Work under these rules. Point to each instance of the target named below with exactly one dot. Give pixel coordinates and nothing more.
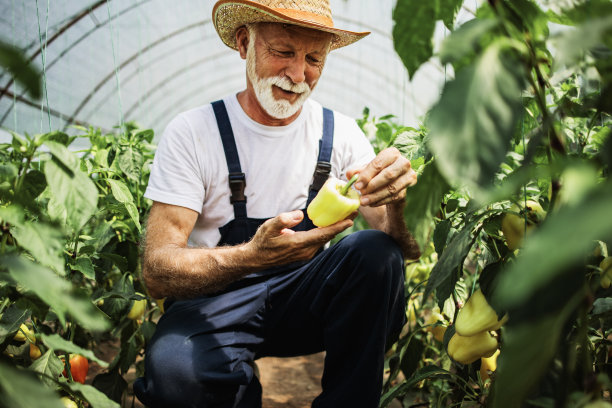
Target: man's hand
(385, 179)
(275, 243)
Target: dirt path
(290, 382)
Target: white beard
(277, 108)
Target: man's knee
(375, 252)
(178, 375)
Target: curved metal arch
(74, 44)
(182, 70)
(130, 60)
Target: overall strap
(326, 143)
(237, 179)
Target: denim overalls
(348, 300)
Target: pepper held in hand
(334, 202)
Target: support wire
(43, 55)
(110, 26)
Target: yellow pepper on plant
(477, 316)
(467, 349)
(606, 272)
(334, 202)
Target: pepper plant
(524, 117)
(69, 256)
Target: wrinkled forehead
(294, 33)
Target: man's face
(284, 64)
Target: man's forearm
(395, 226)
(184, 272)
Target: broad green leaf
(62, 154)
(440, 235)
(473, 123)
(14, 61)
(579, 11)
(567, 237)
(410, 144)
(13, 214)
(447, 11)
(130, 161)
(111, 384)
(71, 188)
(414, 24)
(447, 270)
(123, 195)
(57, 343)
(528, 349)
(43, 241)
(423, 202)
(465, 40)
(95, 398)
(56, 292)
(34, 184)
(22, 389)
(49, 366)
(84, 265)
(11, 319)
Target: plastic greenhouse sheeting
(105, 62)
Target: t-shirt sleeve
(175, 175)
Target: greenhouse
(183, 223)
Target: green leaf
(130, 162)
(446, 271)
(84, 265)
(111, 384)
(123, 195)
(465, 40)
(414, 24)
(49, 366)
(423, 202)
(573, 45)
(441, 235)
(71, 188)
(56, 292)
(57, 343)
(34, 183)
(448, 10)
(22, 389)
(473, 123)
(11, 319)
(96, 398)
(529, 348)
(567, 235)
(43, 241)
(13, 60)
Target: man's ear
(242, 41)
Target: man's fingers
(284, 221)
(394, 191)
(383, 160)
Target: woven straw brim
(229, 16)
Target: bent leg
(201, 353)
(350, 302)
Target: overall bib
(348, 300)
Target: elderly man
(244, 272)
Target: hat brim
(229, 15)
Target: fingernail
(365, 200)
(359, 185)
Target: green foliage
(70, 224)
(526, 117)
(20, 68)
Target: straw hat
(229, 15)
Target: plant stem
(344, 190)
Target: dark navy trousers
(348, 301)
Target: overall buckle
(237, 183)
(321, 175)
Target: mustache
(286, 84)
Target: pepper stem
(344, 190)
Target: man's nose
(296, 70)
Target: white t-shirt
(190, 169)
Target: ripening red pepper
(78, 368)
